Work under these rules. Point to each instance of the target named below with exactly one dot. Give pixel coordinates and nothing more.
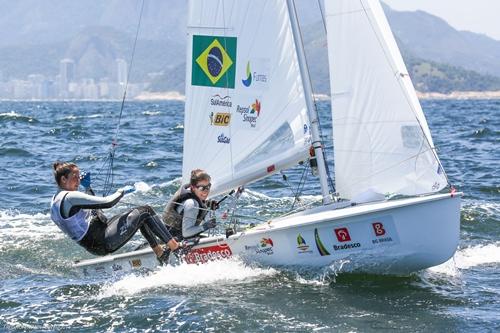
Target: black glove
(212, 204)
(210, 224)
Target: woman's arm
(75, 200)
(189, 228)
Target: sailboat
(250, 113)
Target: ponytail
(62, 169)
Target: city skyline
(66, 85)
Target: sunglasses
(204, 187)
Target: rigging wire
(329, 178)
(108, 179)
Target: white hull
(394, 237)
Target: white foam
(151, 113)
(469, 257)
(209, 274)
(73, 117)
(15, 227)
(488, 207)
(11, 114)
(142, 187)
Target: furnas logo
(255, 76)
(248, 81)
(214, 61)
(220, 118)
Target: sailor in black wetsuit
(80, 217)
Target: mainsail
(382, 142)
(245, 113)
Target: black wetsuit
(104, 235)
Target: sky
(481, 16)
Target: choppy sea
(41, 292)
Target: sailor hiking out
(186, 212)
(79, 216)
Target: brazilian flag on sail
(214, 61)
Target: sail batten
(245, 113)
(382, 142)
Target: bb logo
(222, 119)
(378, 228)
(342, 235)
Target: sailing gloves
(210, 224)
(127, 189)
(85, 179)
(212, 204)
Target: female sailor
(80, 217)
(185, 213)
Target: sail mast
(311, 109)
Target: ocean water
(41, 292)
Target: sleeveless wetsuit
(79, 216)
(185, 213)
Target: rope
(108, 179)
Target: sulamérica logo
(214, 61)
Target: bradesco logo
(344, 236)
(203, 255)
(220, 118)
(213, 61)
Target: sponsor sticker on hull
(358, 235)
(265, 246)
(209, 253)
(302, 245)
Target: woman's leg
(122, 227)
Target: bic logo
(378, 227)
(222, 119)
(342, 235)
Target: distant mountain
(38, 22)
(36, 35)
(428, 37)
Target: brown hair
(62, 169)
(197, 175)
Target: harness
(172, 218)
